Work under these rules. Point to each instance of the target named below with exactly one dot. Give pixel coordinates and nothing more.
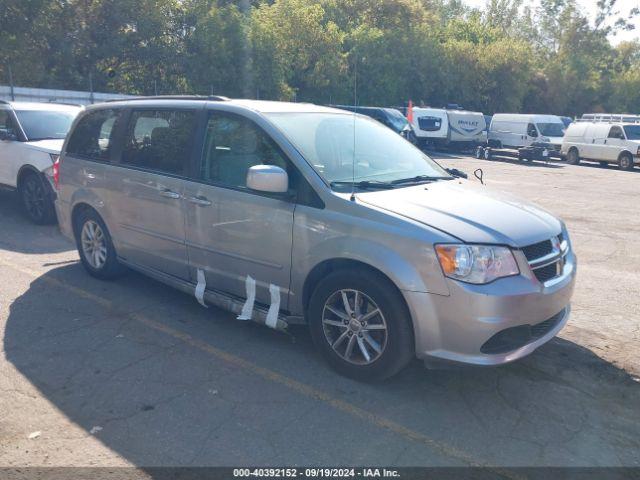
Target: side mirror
(267, 178)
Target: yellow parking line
(265, 373)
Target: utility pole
(13, 97)
(90, 87)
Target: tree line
(507, 56)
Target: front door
(147, 189)
(614, 143)
(10, 149)
(232, 232)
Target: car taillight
(55, 170)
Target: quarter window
(159, 140)
(91, 138)
(232, 145)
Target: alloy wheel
(354, 326)
(34, 197)
(94, 245)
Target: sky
(589, 5)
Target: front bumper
(459, 327)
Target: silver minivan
(289, 213)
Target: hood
(49, 146)
(468, 211)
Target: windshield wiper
(364, 184)
(419, 179)
(45, 138)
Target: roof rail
(209, 98)
(610, 117)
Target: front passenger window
(616, 132)
(232, 145)
(531, 130)
(6, 125)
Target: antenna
(355, 112)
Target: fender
(418, 271)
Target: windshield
(326, 140)
(551, 129)
(632, 131)
(41, 124)
(397, 119)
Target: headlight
(476, 263)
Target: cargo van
(438, 127)
(511, 130)
(603, 142)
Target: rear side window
(92, 136)
(159, 140)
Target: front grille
(515, 337)
(546, 273)
(537, 250)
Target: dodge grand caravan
(293, 213)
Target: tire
(395, 344)
(479, 152)
(487, 154)
(573, 158)
(36, 200)
(105, 266)
(626, 161)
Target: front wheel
(97, 254)
(36, 200)
(361, 325)
(626, 161)
(572, 157)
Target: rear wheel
(572, 157)
(97, 254)
(361, 325)
(487, 154)
(36, 200)
(626, 161)
(479, 152)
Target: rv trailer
(447, 128)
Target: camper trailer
(445, 128)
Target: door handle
(170, 194)
(202, 201)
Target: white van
(440, 127)
(512, 130)
(603, 142)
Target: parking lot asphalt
(135, 373)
